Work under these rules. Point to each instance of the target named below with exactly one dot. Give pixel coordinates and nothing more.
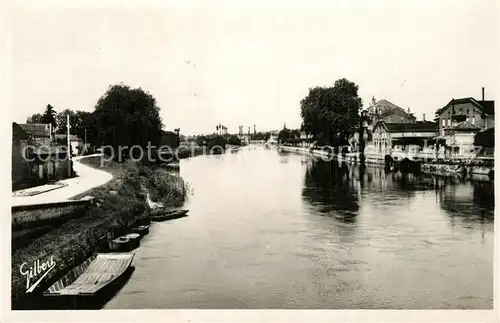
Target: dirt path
(88, 178)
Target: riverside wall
(441, 167)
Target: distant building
(460, 139)
(37, 165)
(382, 110)
(478, 113)
(388, 112)
(21, 168)
(39, 133)
(304, 136)
(273, 136)
(387, 136)
(75, 142)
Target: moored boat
(92, 276)
(164, 215)
(141, 229)
(125, 243)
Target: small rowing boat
(164, 215)
(141, 229)
(92, 276)
(125, 243)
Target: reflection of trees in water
(328, 185)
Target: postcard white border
(6, 101)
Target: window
(443, 121)
(473, 121)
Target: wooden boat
(164, 215)
(134, 239)
(92, 276)
(125, 243)
(173, 166)
(141, 229)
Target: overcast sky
(253, 65)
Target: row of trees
(288, 135)
(122, 117)
(217, 140)
(331, 114)
(80, 121)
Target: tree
(127, 117)
(331, 114)
(61, 121)
(233, 140)
(216, 144)
(284, 135)
(201, 140)
(49, 116)
(485, 138)
(35, 118)
(295, 134)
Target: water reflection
(277, 230)
(337, 190)
(473, 203)
(329, 187)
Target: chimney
(482, 90)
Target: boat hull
(142, 230)
(91, 278)
(125, 243)
(169, 216)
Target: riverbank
(474, 168)
(120, 204)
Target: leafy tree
(86, 127)
(127, 117)
(216, 144)
(295, 134)
(331, 114)
(49, 116)
(284, 135)
(485, 138)
(201, 141)
(61, 121)
(36, 118)
(260, 136)
(81, 124)
(233, 140)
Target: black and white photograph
(276, 156)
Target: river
(269, 229)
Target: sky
(252, 65)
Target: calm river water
(268, 229)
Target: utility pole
(69, 146)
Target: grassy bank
(121, 203)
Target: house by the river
(34, 163)
(390, 137)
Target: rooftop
(36, 129)
(63, 136)
(486, 106)
(421, 126)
